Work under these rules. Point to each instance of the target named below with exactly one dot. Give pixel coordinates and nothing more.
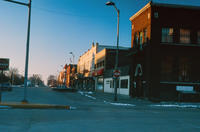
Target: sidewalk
(18, 105)
(129, 101)
(109, 97)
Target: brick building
(166, 39)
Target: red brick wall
(140, 23)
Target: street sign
(116, 73)
(4, 64)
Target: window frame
(167, 35)
(121, 83)
(185, 37)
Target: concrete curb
(35, 106)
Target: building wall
(86, 61)
(108, 86)
(100, 59)
(141, 21)
(152, 56)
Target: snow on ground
(86, 94)
(90, 96)
(177, 105)
(72, 108)
(119, 104)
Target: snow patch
(81, 92)
(72, 108)
(177, 105)
(90, 92)
(119, 104)
(86, 94)
(90, 96)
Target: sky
(59, 27)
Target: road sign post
(4, 65)
(116, 73)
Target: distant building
(166, 39)
(86, 66)
(86, 62)
(70, 75)
(66, 77)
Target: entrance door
(138, 80)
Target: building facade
(87, 68)
(166, 39)
(104, 67)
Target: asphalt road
(92, 114)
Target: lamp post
(73, 69)
(110, 3)
(27, 45)
(72, 56)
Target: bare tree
(36, 79)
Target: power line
(64, 13)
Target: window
(141, 37)
(184, 69)
(184, 36)
(156, 14)
(112, 83)
(198, 37)
(136, 39)
(124, 83)
(166, 69)
(167, 35)
(145, 35)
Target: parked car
(5, 86)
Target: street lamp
(110, 3)
(72, 56)
(27, 45)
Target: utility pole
(110, 3)
(1, 84)
(27, 45)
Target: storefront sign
(185, 88)
(4, 64)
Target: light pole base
(24, 101)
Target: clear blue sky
(62, 26)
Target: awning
(98, 72)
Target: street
(94, 112)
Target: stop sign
(116, 73)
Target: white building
(123, 85)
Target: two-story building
(167, 40)
(88, 67)
(104, 66)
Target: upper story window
(145, 35)
(141, 38)
(167, 35)
(136, 39)
(184, 36)
(198, 37)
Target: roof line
(141, 10)
(164, 5)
